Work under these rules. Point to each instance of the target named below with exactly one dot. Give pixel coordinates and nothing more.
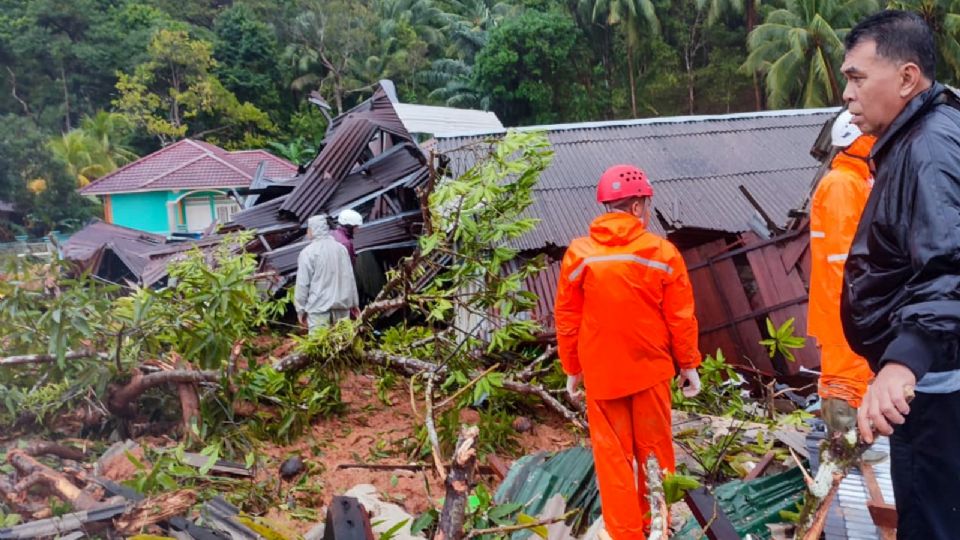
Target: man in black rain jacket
(901, 297)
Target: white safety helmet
(350, 217)
(844, 133)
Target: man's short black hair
(901, 36)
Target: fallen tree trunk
(122, 400)
(154, 510)
(459, 481)
(45, 358)
(38, 473)
(190, 408)
(47, 448)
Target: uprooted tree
(97, 358)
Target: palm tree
(469, 21)
(799, 49)
(944, 20)
(633, 17)
(110, 129)
(82, 155)
(746, 8)
(451, 81)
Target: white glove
(573, 387)
(688, 376)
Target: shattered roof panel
(387, 231)
(380, 172)
(261, 216)
(188, 164)
(84, 244)
(696, 166)
(326, 172)
(446, 121)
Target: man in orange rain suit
(835, 212)
(625, 319)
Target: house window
(226, 208)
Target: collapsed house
(727, 193)
(369, 161)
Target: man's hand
(354, 313)
(886, 401)
(302, 317)
(573, 387)
(689, 376)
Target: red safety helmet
(622, 181)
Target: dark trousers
(925, 462)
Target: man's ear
(911, 77)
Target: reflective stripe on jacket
(834, 214)
(624, 309)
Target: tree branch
(458, 483)
(121, 400)
(519, 527)
(432, 429)
(42, 358)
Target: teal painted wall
(144, 211)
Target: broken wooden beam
(884, 515)
(499, 466)
(38, 473)
(47, 448)
(761, 466)
(713, 521)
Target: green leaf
(390, 533)
(423, 522)
(504, 510)
(539, 530)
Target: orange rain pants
(623, 431)
(834, 215)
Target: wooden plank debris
(714, 522)
(347, 520)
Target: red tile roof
(190, 164)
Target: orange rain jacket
(624, 309)
(835, 212)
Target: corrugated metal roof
(696, 165)
(189, 164)
(849, 518)
(387, 231)
(535, 479)
(85, 243)
(446, 121)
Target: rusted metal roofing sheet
(379, 110)
(85, 243)
(326, 172)
(696, 165)
(284, 260)
(261, 216)
(387, 231)
(379, 173)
